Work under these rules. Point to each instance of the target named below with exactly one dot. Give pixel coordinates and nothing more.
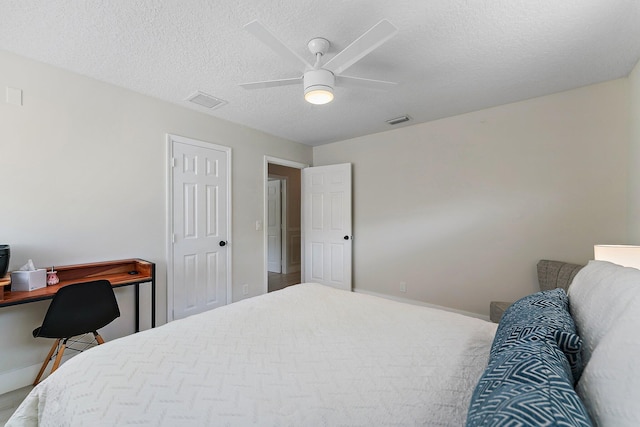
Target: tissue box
(28, 280)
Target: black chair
(76, 310)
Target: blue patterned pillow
(527, 385)
(541, 316)
(569, 343)
(545, 308)
(571, 346)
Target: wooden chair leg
(56, 363)
(98, 338)
(46, 361)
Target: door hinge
(173, 162)
(173, 237)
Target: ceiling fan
(320, 79)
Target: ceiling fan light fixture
(318, 95)
(318, 86)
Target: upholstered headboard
(551, 275)
(556, 274)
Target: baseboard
(18, 378)
(422, 303)
(22, 377)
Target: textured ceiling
(450, 56)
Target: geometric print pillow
(544, 308)
(570, 344)
(527, 385)
(541, 316)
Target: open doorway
(283, 245)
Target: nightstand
(497, 309)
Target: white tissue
(28, 266)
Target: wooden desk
(118, 273)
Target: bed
(308, 355)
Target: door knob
(346, 237)
(223, 243)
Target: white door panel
(274, 226)
(200, 183)
(327, 225)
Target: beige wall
(462, 208)
(634, 158)
(83, 178)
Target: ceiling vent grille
(206, 100)
(398, 120)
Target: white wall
(462, 208)
(634, 157)
(83, 177)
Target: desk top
(116, 272)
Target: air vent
(399, 120)
(206, 100)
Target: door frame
(282, 162)
(170, 162)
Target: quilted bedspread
(308, 355)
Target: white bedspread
(308, 355)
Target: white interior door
(274, 226)
(201, 223)
(327, 225)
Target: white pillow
(610, 383)
(598, 295)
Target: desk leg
(153, 296)
(137, 307)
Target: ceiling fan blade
(271, 83)
(376, 36)
(268, 38)
(348, 81)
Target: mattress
(308, 355)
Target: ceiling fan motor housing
(319, 80)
